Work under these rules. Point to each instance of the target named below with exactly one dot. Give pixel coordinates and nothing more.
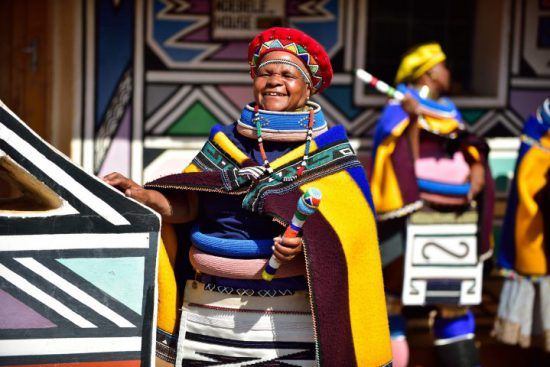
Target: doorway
(25, 61)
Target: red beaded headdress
(309, 51)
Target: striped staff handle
(379, 85)
(307, 205)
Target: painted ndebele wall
(159, 73)
(77, 261)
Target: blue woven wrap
(232, 248)
(443, 188)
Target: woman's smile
(280, 86)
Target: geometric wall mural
(77, 261)
(174, 68)
(159, 73)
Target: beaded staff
(379, 85)
(307, 205)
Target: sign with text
(243, 19)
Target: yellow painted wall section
(344, 206)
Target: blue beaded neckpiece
(282, 123)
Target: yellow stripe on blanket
(357, 233)
(474, 153)
(529, 231)
(442, 125)
(293, 155)
(192, 168)
(228, 147)
(385, 190)
(169, 297)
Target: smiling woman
(240, 192)
(281, 84)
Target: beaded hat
(309, 51)
(418, 61)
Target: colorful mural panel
(182, 68)
(178, 67)
(77, 261)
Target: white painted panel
(29, 347)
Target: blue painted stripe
(114, 40)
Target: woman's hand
(151, 198)
(477, 180)
(180, 207)
(285, 249)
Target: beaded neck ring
(267, 165)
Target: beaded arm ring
(267, 165)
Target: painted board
(77, 261)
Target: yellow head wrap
(418, 61)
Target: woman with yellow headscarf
(424, 157)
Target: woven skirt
(524, 313)
(228, 329)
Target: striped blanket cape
(524, 254)
(525, 244)
(341, 245)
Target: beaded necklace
(267, 165)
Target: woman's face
(441, 77)
(280, 87)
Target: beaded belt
(260, 288)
